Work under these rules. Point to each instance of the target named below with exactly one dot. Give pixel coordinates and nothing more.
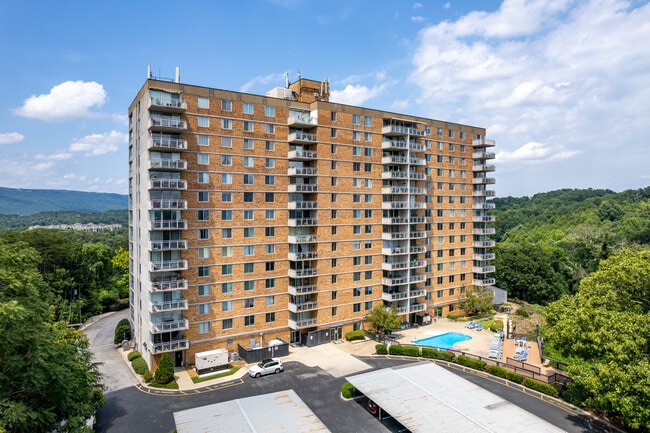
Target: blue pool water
(443, 341)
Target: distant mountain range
(31, 201)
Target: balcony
(417, 249)
(301, 171)
(301, 222)
(395, 190)
(394, 251)
(301, 137)
(179, 244)
(167, 124)
(303, 306)
(417, 278)
(395, 205)
(174, 325)
(484, 282)
(417, 220)
(483, 167)
(167, 143)
(416, 147)
(484, 181)
(300, 273)
(302, 187)
(308, 255)
(302, 121)
(303, 289)
(168, 265)
(417, 293)
(483, 269)
(301, 239)
(483, 244)
(167, 164)
(168, 204)
(417, 161)
(418, 264)
(417, 176)
(300, 324)
(401, 130)
(483, 219)
(394, 235)
(417, 234)
(175, 184)
(160, 307)
(170, 346)
(167, 105)
(486, 256)
(414, 308)
(169, 285)
(168, 225)
(482, 142)
(485, 231)
(302, 204)
(483, 155)
(302, 155)
(393, 281)
(395, 296)
(484, 193)
(483, 206)
(394, 159)
(397, 174)
(395, 266)
(394, 221)
(393, 145)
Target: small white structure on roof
(281, 412)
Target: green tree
(382, 318)
(120, 279)
(122, 331)
(47, 376)
(604, 330)
(478, 301)
(165, 371)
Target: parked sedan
(266, 366)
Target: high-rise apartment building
(288, 216)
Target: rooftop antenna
(299, 76)
(148, 72)
(178, 74)
(286, 78)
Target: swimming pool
(443, 341)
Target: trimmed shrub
(132, 355)
(514, 377)
(347, 390)
(122, 331)
(470, 362)
(496, 325)
(396, 349)
(497, 371)
(381, 349)
(431, 353)
(544, 388)
(147, 377)
(165, 371)
(355, 335)
(411, 351)
(140, 365)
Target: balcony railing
(298, 273)
(169, 285)
(484, 282)
(393, 281)
(175, 325)
(417, 249)
(402, 130)
(393, 144)
(168, 123)
(168, 204)
(483, 269)
(302, 187)
(302, 289)
(301, 239)
(179, 244)
(302, 171)
(395, 220)
(395, 296)
(483, 219)
(304, 306)
(417, 176)
(483, 155)
(395, 266)
(394, 251)
(485, 231)
(300, 324)
(417, 293)
(167, 164)
(168, 225)
(397, 174)
(417, 234)
(486, 256)
(484, 193)
(301, 137)
(168, 265)
(483, 206)
(159, 307)
(416, 147)
(483, 167)
(394, 235)
(483, 244)
(302, 256)
(302, 120)
(483, 142)
(394, 159)
(177, 184)
(170, 346)
(395, 205)
(167, 143)
(176, 105)
(303, 204)
(300, 222)
(302, 154)
(483, 180)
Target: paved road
(116, 373)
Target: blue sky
(562, 86)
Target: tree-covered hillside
(20, 222)
(30, 201)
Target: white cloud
(417, 19)
(275, 79)
(59, 156)
(533, 152)
(99, 144)
(417, 5)
(68, 100)
(356, 94)
(400, 105)
(11, 137)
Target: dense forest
(583, 256)
(30, 201)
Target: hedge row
(544, 388)
(355, 335)
(132, 355)
(470, 362)
(428, 352)
(381, 349)
(140, 365)
(396, 349)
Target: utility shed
(280, 411)
(425, 397)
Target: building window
(249, 285)
(356, 307)
(334, 246)
(269, 179)
(269, 214)
(356, 291)
(226, 105)
(249, 250)
(356, 276)
(249, 214)
(203, 177)
(269, 111)
(367, 167)
(204, 327)
(333, 197)
(203, 140)
(203, 102)
(226, 178)
(367, 136)
(356, 119)
(334, 262)
(249, 232)
(226, 215)
(269, 197)
(333, 149)
(333, 116)
(356, 150)
(333, 132)
(204, 196)
(249, 144)
(226, 124)
(270, 283)
(335, 310)
(248, 197)
(269, 162)
(367, 151)
(269, 145)
(226, 160)
(226, 287)
(368, 275)
(249, 302)
(226, 306)
(368, 291)
(334, 214)
(248, 108)
(249, 320)
(226, 324)
(204, 290)
(204, 271)
(356, 166)
(226, 269)
(248, 162)
(368, 305)
(204, 121)
(356, 245)
(368, 260)
(204, 308)
(269, 128)
(356, 135)
(226, 233)
(356, 261)
(367, 121)
(368, 198)
(202, 159)
(269, 231)
(270, 317)
(226, 251)
(204, 234)
(333, 228)
(248, 126)
(270, 266)
(249, 268)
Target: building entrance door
(336, 333)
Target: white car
(266, 366)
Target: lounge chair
(494, 354)
(495, 344)
(479, 327)
(520, 350)
(521, 342)
(471, 325)
(521, 356)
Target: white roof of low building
(280, 411)
(425, 397)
